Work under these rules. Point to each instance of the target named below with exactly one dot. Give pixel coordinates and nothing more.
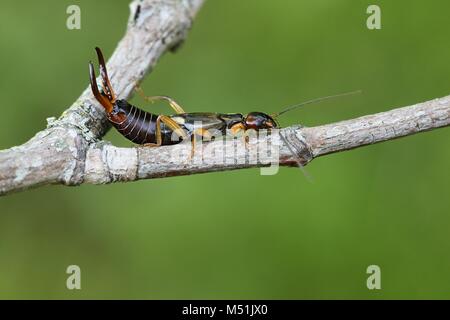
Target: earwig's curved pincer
(107, 98)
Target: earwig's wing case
(206, 120)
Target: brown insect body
(145, 128)
(139, 126)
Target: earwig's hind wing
(100, 98)
(106, 84)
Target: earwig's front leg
(239, 128)
(175, 106)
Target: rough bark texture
(70, 152)
(400, 122)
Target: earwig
(148, 129)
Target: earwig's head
(107, 97)
(259, 120)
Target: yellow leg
(204, 133)
(193, 142)
(157, 134)
(175, 106)
(171, 124)
(240, 129)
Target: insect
(148, 129)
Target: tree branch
(69, 151)
(286, 147)
(58, 153)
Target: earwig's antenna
(277, 114)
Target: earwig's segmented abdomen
(137, 125)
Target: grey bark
(69, 151)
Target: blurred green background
(238, 234)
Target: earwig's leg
(106, 84)
(246, 140)
(151, 145)
(239, 128)
(175, 106)
(157, 135)
(204, 133)
(171, 124)
(193, 143)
